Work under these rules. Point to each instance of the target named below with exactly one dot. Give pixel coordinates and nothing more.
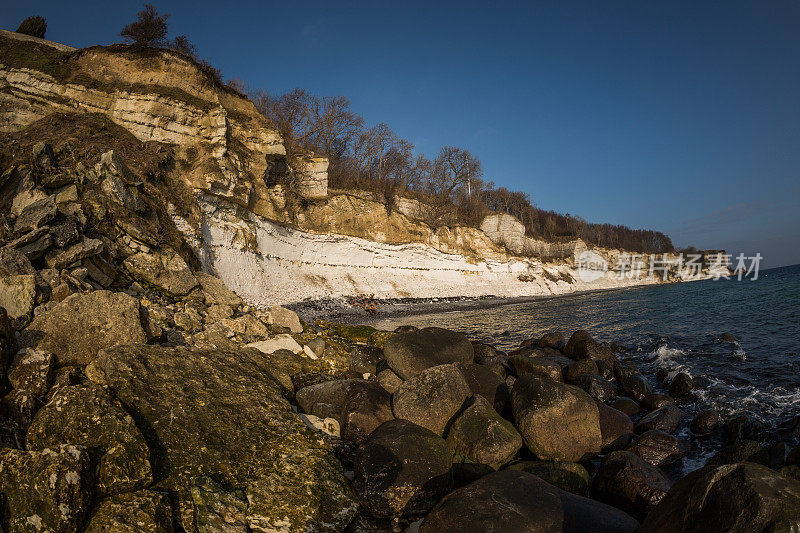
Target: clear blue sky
(678, 116)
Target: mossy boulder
(432, 398)
(132, 512)
(411, 352)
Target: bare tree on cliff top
(149, 29)
(457, 167)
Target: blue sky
(678, 116)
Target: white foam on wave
(668, 359)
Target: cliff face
(266, 243)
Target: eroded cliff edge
(270, 242)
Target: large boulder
(551, 366)
(90, 417)
(598, 388)
(571, 477)
(402, 469)
(358, 405)
(615, 426)
(221, 414)
(216, 292)
(627, 482)
(737, 497)
(484, 382)
(513, 500)
(165, 271)
(47, 490)
(739, 452)
(432, 398)
(481, 436)
(705, 422)
(81, 325)
(132, 512)
(558, 421)
(411, 352)
(666, 419)
(581, 346)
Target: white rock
(279, 342)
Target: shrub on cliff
(33, 26)
(149, 29)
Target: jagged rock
(18, 295)
(665, 419)
(517, 501)
(14, 263)
(35, 215)
(43, 154)
(627, 482)
(615, 426)
(481, 436)
(659, 448)
(222, 414)
(705, 422)
(216, 292)
(166, 271)
(432, 398)
(115, 174)
(217, 509)
(88, 416)
(278, 342)
(598, 388)
(739, 452)
(410, 353)
(65, 232)
(19, 406)
(284, 318)
(86, 248)
(626, 405)
(46, 490)
(402, 469)
(551, 366)
(505, 230)
(82, 324)
(359, 406)
(145, 511)
(33, 373)
(571, 477)
(558, 422)
(738, 497)
(482, 381)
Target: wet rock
(616, 428)
(481, 436)
(389, 380)
(553, 339)
(728, 337)
(33, 373)
(656, 400)
(517, 501)
(216, 292)
(89, 417)
(48, 490)
(432, 398)
(705, 422)
(681, 385)
(635, 385)
(544, 365)
(402, 469)
(165, 271)
(659, 448)
(739, 452)
(18, 296)
(597, 387)
(627, 482)
(626, 405)
(82, 324)
(582, 366)
(365, 359)
(221, 413)
(571, 477)
(738, 497)
(410, 353)
(606, 370)
(665, 419)
(482, 381)
(358, 405)
(132, 512)
(35, 216)
(557, 421)
(742, 427)
(581, 346)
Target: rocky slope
(138, 392)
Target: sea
(677, 328)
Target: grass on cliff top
(64, 68)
